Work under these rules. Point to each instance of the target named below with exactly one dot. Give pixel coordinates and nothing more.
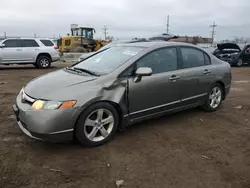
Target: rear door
(12, 50)
(158, 92)
(30, 50)
(197, 75)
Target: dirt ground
(188, 149)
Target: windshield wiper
(81, 70)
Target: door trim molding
(167, 104)
(196, 96)
(155, 107)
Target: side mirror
(2, 45)
(142, 71)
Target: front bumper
(55, 126)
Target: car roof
(155, 44)
(28, 38)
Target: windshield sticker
(131, 53)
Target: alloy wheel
(98, 125)
(215, 97)
(44, 62)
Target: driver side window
(12, 43)
(161, 60)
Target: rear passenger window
(29, 43)
(159, 61)
(47, 42)
(192, 57)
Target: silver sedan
(119, 86)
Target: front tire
(97, 125)
(43, 62)
(214, 98)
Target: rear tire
(43, 62)
(97, 125)
(214, 98)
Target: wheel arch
(44, 54)
(223, 88)
(114, 104)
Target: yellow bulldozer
(81, 40)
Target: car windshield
(109, 59)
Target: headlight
(52, 105)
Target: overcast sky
(125, 18)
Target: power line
(213, 32)
(105, 29)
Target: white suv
(39, 52)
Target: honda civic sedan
(119, 86)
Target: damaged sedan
(121, 85)
(231, 53)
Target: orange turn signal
(67, 104)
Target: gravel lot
(188, 149)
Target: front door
(159, 92)
(12, 51)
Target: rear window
(47, 42)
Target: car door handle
(19, 50)
(174, 78)
(207, 71)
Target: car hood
(228, 46)
(84, 56)
(44, 86)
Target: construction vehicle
(81, 40)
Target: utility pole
(5, 35)
(213, 32)
(105, 29)
(168, 24)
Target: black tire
(43, 62)
(80, 127)
(207, 106)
